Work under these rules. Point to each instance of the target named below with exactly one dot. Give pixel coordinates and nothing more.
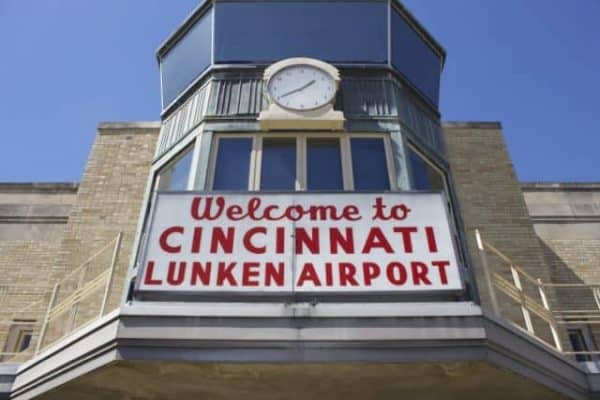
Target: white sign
(299, 242)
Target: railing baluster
(46, 318)
(524, 310)
(113, 263)
(552, 324)
(486, 273)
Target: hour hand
(298, 89)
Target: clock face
(301, 87)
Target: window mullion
(387, 145)
(301, 183)
(191, 184)
(255, 163)
(346, 163)
(212, 162)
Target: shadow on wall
(575, 305)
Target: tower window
(304, 161)
(324, 164)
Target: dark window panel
(187, 59)
(175, 175)
(324, 164)
(425, 177)
(369, 167)
(415, 59)
(278, 170)
(232, 167)
(331, 31)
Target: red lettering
(376, 239)
(406, 231)
(235, 212)
(294, 213)
(337, 239)
(400, 212)
(249, 271)
(248, 240)
(328, 274)
(201, 273)
(347, 273)
(205, 214)
(396, 273)
(273, 274)
(279, 240)
(225, 274)
(148, 279)
(196, 239)
(175, 275)
(419, 273)
(308, 273)
(311, 242)
(370, 272)
(351, 213)
(379, 207)
(431, 242)
(210, 209)
(441, 266)
(219, 238)
(162, 240)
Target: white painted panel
(299, 242)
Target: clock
(300, 92)
(302, 87)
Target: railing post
(552, 324)
(486, 273)
(113, 263)
(46, 319)
(75, 307)
(524, 310)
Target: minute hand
(297, 90)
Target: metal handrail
(49, 311)
(541, 308)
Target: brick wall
(109, 200)
(32, 220)
(490, 200)
(567, 221)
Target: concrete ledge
(7, 376)
(472, 125)
(128, 127)
(560, 186)
(154, 337)
(39, 187)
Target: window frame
(301, 185)
(189, 149)
(414, 148)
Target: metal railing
(541, 300)
(75, 301)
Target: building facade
(299, 223)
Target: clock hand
(299, 89)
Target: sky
(66, 65)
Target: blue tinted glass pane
(330, 31)
(233, 164)
(415, 59)
(369, 166)
(425, 177)
(324, 164)
(187, 59)
(175, 176)
(278, 171)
